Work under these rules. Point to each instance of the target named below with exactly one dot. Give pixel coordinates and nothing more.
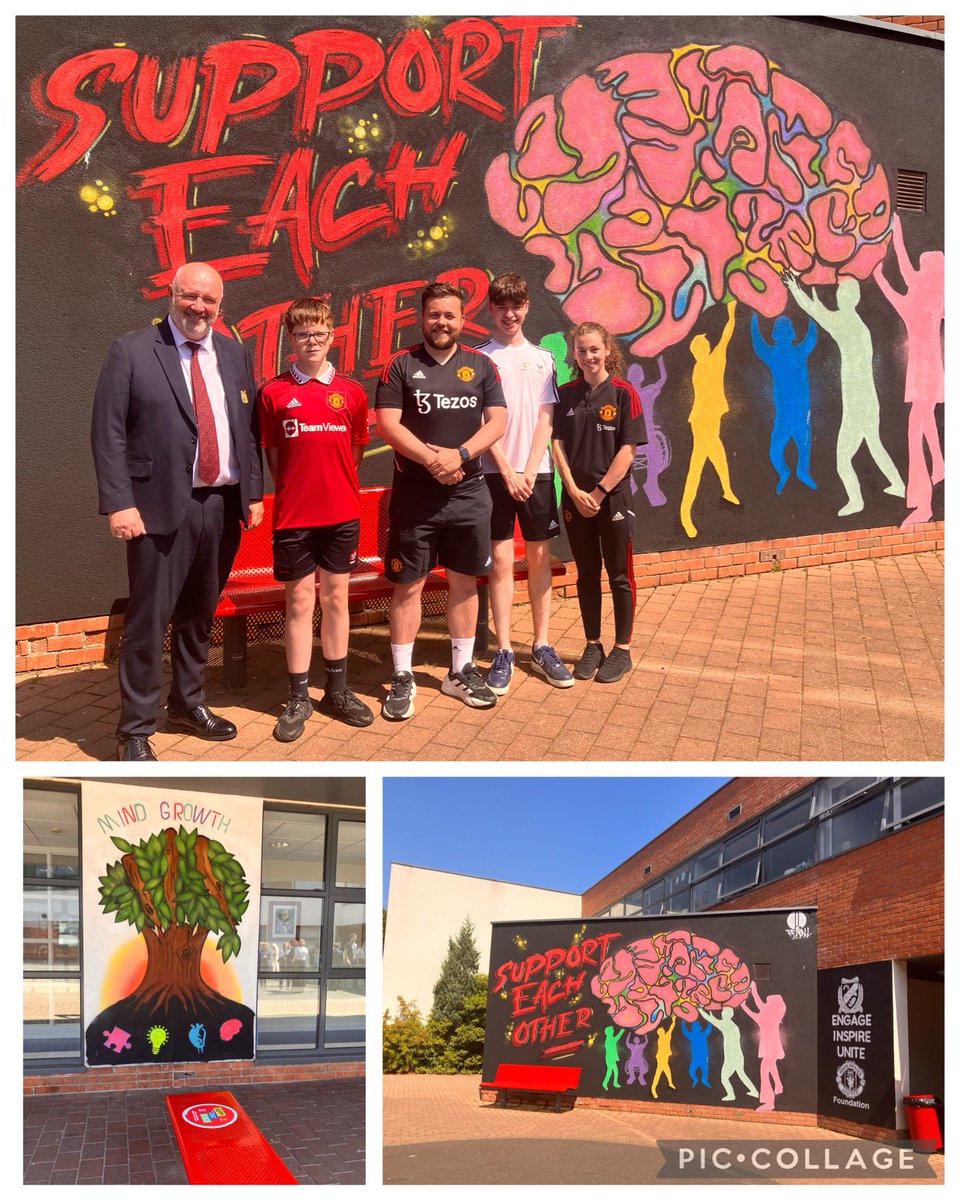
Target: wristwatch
(464, 455)
(601, 488)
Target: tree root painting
(175, 889)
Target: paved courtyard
(841, 662)
(436, 1130)
(316, 1127)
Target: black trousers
(175, 579)
(604, 541)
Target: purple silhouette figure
(636, 1063)
(768, 1016)
(655, 455)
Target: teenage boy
(519, 474)
(439, 405)
(313, 427)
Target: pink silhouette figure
(767, 1016)
(920, 308)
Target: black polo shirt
(594, 424)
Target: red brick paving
(841, 662)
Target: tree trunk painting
(176, 888)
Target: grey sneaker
(615, 666)
(546, 662)
(345, 706)
(399, 703)
(501, 671)
(591, 660)
(468, 685)
(293, 718)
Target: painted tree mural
(176, 888)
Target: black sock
(336, 675)
(299, 684)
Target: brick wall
(147, 1076)
(58, 644)
(934, 24)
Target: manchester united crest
(395, 565)
(607, 413)
(336, 400)
(465, 374)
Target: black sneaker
(616, 665)
(591, 660)
(399, 703)
(469, 686)
(293, 718)
(346, 707)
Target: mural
(161, 986)
(718, 196)
(658, 1008)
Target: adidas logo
(419, 375)
(294, 403)
(553, 525)
(619, 517)
(570, 413)
(488, 562)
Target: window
(831, 792)
(913, 798)
(706, 861)
(653, 898)
(741, 875)
(789, 855)
(678, 879)
(680, 903)
(787, 817)
(852, 827)
(705, 894)
(741, 842)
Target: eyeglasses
(192, 297)
(303, 338)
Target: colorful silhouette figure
(706, 412)
(860, 419)
(611, 1056)
(636, 1062)
(655, 455)
(786, 359)
(732, 1052)
(663, 1057)
(920, 308)
(768, 1017)
(697, 1035)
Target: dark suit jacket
(144, 432)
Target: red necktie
(209, 454)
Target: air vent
(646, 871)
(761, 970)
(912, 191)
(734, 812)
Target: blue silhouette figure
(696, 1035)
(198, 1036)
(787, 361)
(636, 1063)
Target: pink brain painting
(661, 183)
(670, 974)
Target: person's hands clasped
(446, 465)
(585, 503)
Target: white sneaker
(468, 685)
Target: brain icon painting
(670, 974)
(661, 183)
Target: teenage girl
(597, 427)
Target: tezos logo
(850, 995)
(607, 413)
(291, 427)
(465, 374)
(851, 1079)
(209, 1116)
(797, 926)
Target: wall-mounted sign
(716, 1009)
(169, 937)
(856, 1043)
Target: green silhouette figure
(860, 405)
(663, 1057)
(611, 1055)
(732, 1052)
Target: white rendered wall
(426, 908)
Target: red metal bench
(252, 588)
(534, 1077)
(219, 1143)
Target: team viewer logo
(465, 374)
(291, 427)
(209, 1116)
(336, 400)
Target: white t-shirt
(529, 379)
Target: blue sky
(563, 833)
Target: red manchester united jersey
(313, 424)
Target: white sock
(402, 657)
(461, 652)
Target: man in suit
(178, 470)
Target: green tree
(456, 979)
(457, 1045)
(406, 1041)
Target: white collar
(325, 376)
(181, 338)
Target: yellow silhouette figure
(709, 405)
(663, 1057)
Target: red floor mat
(219, 1143)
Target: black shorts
(537, 516)
(430, 526)
(298, 552)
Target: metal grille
(912, 190)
